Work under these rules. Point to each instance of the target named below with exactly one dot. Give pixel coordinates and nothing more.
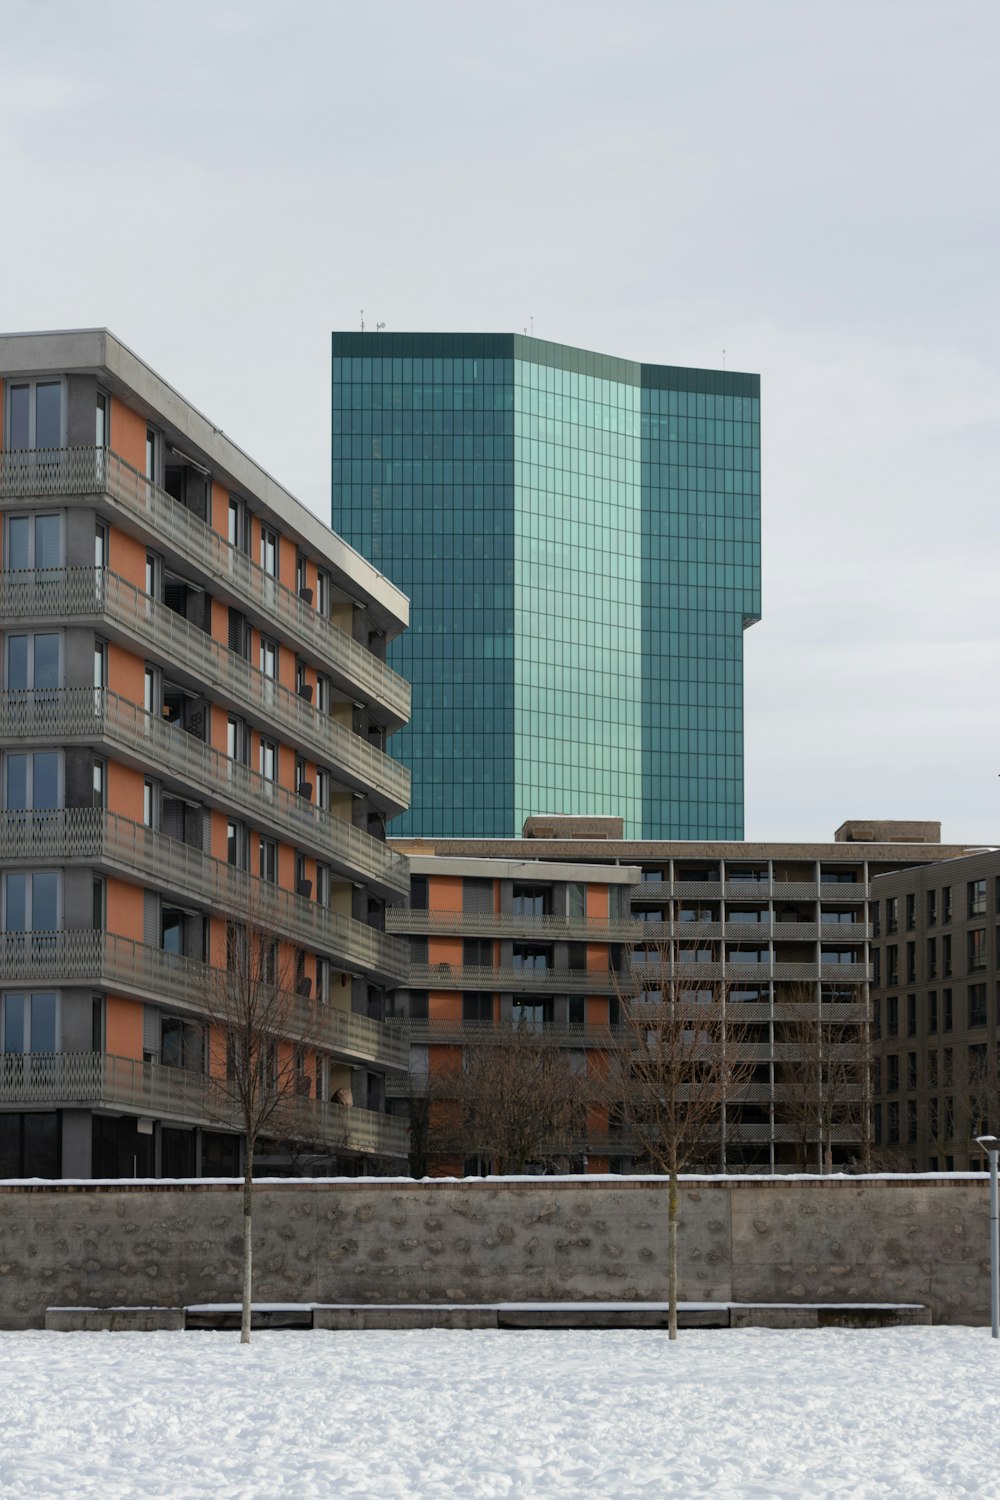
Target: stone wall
(741, 1239)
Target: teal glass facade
(580, 539)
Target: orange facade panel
(220, 509)
(126, 674)
(125, 784)
(128, 434)
(123, 1027)
(597, 1010)
(598, 904)
(444, 950)
(442, 1006)
(597, 958)
(124, 905)
(127, 557)
(444, 893)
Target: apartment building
(194, 717)
(936, 973)
(547, 931)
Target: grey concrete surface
(833, 1240)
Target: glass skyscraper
(580, 539)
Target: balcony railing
(108, 961)
(97, 837)
(99, 1080)
(504, 925)
(60, 593)
(511, 980)
(829, 892)
(94, 715)
(41, 473)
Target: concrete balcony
(149, 512)
(510, 980)
(96, 1080)
(88, 715)
(505, 925)
(105, 840)
(120, 609)
(104, 960)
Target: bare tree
(262, 1034)
(676, 1074)
(515, 1099)
(823, 1088)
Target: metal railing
(503, 924)
(107, 960)
(105, 838)
(55, 593)
(93, 714)
(44, 473)
(835, 892)
(97, 1079)
(476, 977)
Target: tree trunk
(672, 1255)
(247, 1246)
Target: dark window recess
(477, 1007)
(418, 892)
(477, 895)
(477, 953)
(577, 1010)
(239, 634)
(29, 1145)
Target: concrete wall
(747, 1240)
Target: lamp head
(988, 1142)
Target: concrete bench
(113, 1319)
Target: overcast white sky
(811, 186)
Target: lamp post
(991, 1146)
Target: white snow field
(907, 1412)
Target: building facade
(580, 539)
(546, 931)
(936, 959)
(193, 722)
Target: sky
(810, 187)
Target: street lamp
(991, 1146)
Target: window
(932, 1070)
(152, 692)
(892, 1075)
(151, 804)
(33, 662)
(323, 781)
(239, 525)
(977, 1005)
(238, 741)
(946, 903)
(911, 1015)
(102, 423)
(100, 782)
(154, 575)
(911, 1070)
(34, 542)
(269, 861)
(531, 901)
(100, 545)
(29, 1022)
(323, 980)
(976, 949)
(892, 1119)
(976, 891)
(99, 904)
(323, 592)
(269, 551)
(239, 634)
(269, 658)
(32, 901)
(892, 1016)
(932, 958)
(418, 892)
(839, 956)
(931, 908)
(876, 1020)
(35, 411)
(946, 955)
(33, 780)
(182, 1044)
(97, 1037)
(237, 844)
(833, 917)
(911, 963)
(932, 1011)
(876, 911)
(172, 929)
(946, 1010)
(911, 912)
(322, 698)
(324, 883)
(268, 759)
(530, 957)
(301, 574)
(643, 913)
(892, 964)
(152, 444)
(531, 1014)
(892, 914)
(911, 1120)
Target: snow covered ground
(910, 1412)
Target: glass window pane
(17, 541)
(48, 416)
(42, 1033)
(41, 1145)
(46, 661)
(17, 662)
(48, 541)
(19, 398)
(16, 902)
(13, 1023)
(17, 783)
(45, 901)
(45, 792)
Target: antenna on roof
(379, 327)
(723, 359)
(532, 322)
(362, 320)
